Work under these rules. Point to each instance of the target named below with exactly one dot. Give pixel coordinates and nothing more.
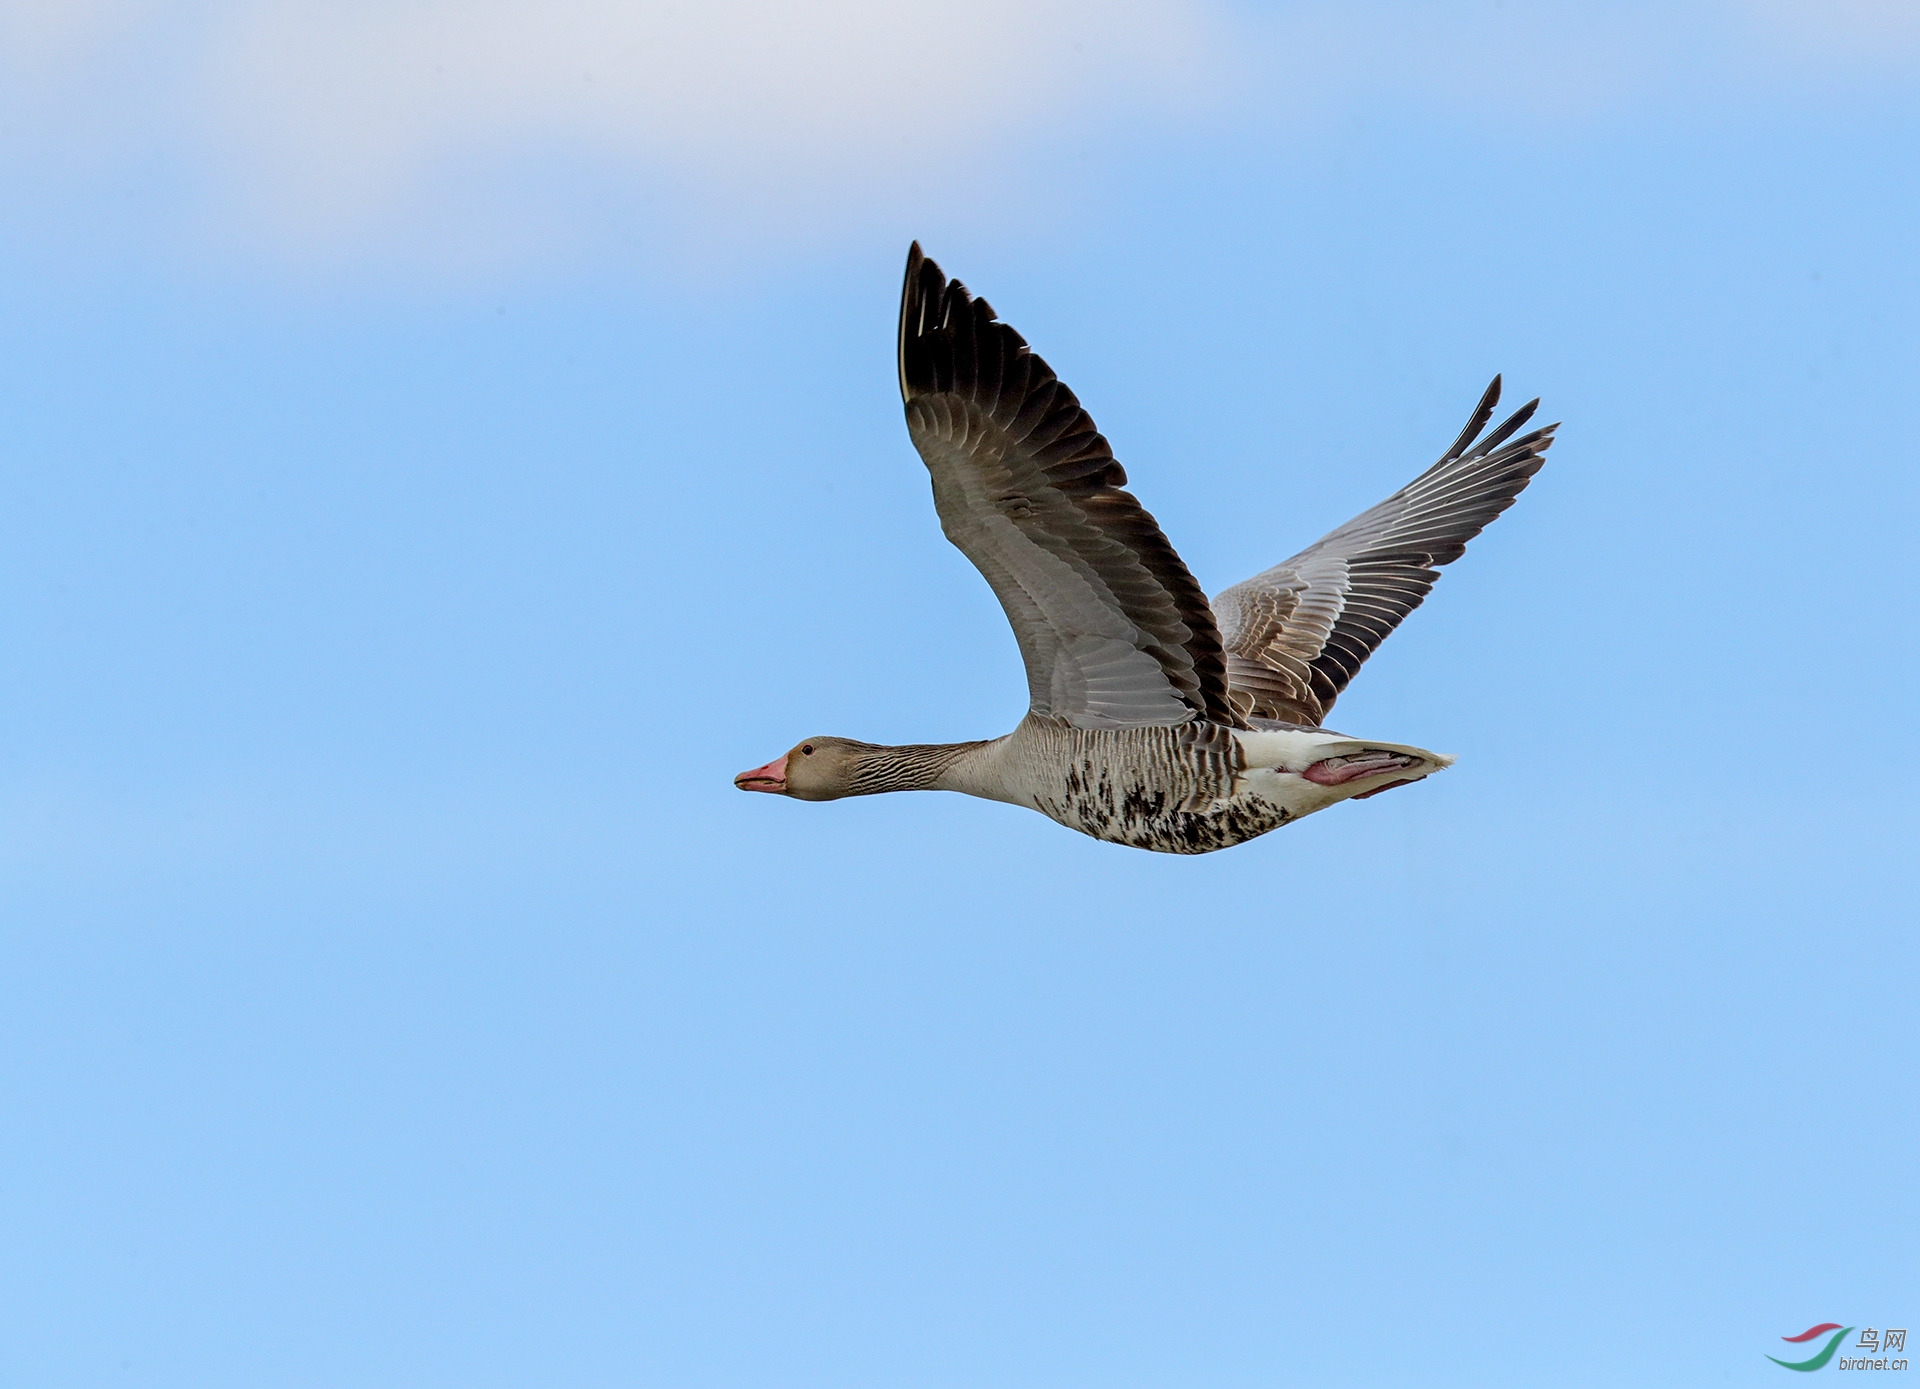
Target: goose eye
(806, 749)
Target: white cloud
(332, 114)
(434, 128)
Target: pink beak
(772, 777)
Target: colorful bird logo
(1839, 1334)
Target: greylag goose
(1155, 719)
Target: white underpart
(1276, 757)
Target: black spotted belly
(1131, 813)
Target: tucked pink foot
(1404, 781)
(1338, 771)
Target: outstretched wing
(1298, 633)
(1114, 631)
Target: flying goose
(1155, 719)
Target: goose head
(819, 769)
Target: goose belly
(1171, 790)
(1144, 826)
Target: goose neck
(909, 767)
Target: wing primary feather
(1476, 422)
(1507, 430)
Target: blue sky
(443, 443)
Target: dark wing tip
(923, 284)
(936, 315)
(953, 341)
(1477, 422)
(1508, 428)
